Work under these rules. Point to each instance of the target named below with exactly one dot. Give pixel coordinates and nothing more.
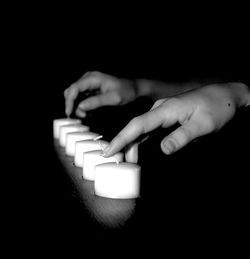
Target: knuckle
(137, 121)
(86, 74)
(95, 73)
(138, 124)
(90, 74)
(173, 101)
(72, 87)
(65, 92)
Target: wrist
(143, 88)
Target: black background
(197, 196)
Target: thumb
(180, 137)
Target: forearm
(158, 89)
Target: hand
(113, 91)
(199, 112)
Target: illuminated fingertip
(102, 153)
(106, 152)
(67, 110)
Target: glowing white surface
(64, 130)
(117, 181)
(73, 137)
(57, 123)
(93, 158)
(85, 146)
(109, 212)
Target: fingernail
(102, 154)
(105, 152)
(169, 147)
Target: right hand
(198, 112)
(113, 91)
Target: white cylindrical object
(85, 146)
(93, 158)
(73, 137)
(57, 123)
(117, 181)
(64, 130)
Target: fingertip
(168, 146)
(80, 113)
(68, 107)
(106, 152)
(67, 112)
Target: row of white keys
(112, 177)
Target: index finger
(90, 82)
(138, 126)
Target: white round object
(93, 158)
(85, 146)
(64, 130)
(57, 123)
(73, 137)
(117, 181)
